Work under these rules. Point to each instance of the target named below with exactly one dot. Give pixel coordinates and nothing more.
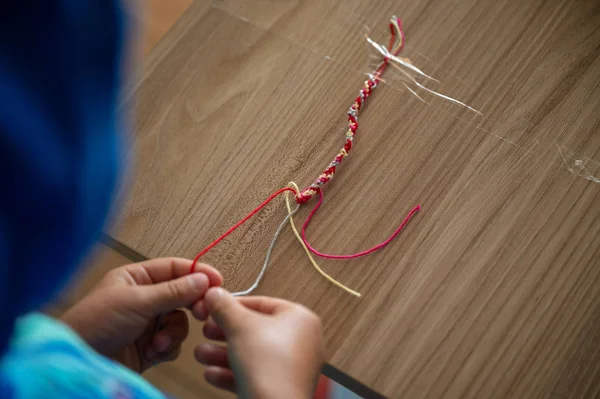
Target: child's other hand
(275, 347)
(118, 318)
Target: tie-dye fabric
(48, 360)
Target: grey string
(160, 318)
(268, 256)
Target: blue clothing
(48, 360)
(60, 72)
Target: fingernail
(198, 281)
(214, 294)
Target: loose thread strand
(238, 224)
(259, 278)
(299, 238)
(358, 254)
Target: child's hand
(118, 318)
(275, 347)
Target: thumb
(170, 295)
(225, 310)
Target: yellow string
(314, 263)
(399, 37)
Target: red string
(365, 92)
(358, 254)
(301, 199)
(379, 71)
(238, 224)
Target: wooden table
(493, 289)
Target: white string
(397, 62)
(268, 256)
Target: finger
(212, 355)
(159, 270)
(174, 332)
(199, 310)
(266, 305)
(259, 304)
(212, 331)
(214, 280)
(221, 378)
(214, 277)
(169, 356)
(225, 310)
(178, 293)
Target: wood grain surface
(493, 289)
